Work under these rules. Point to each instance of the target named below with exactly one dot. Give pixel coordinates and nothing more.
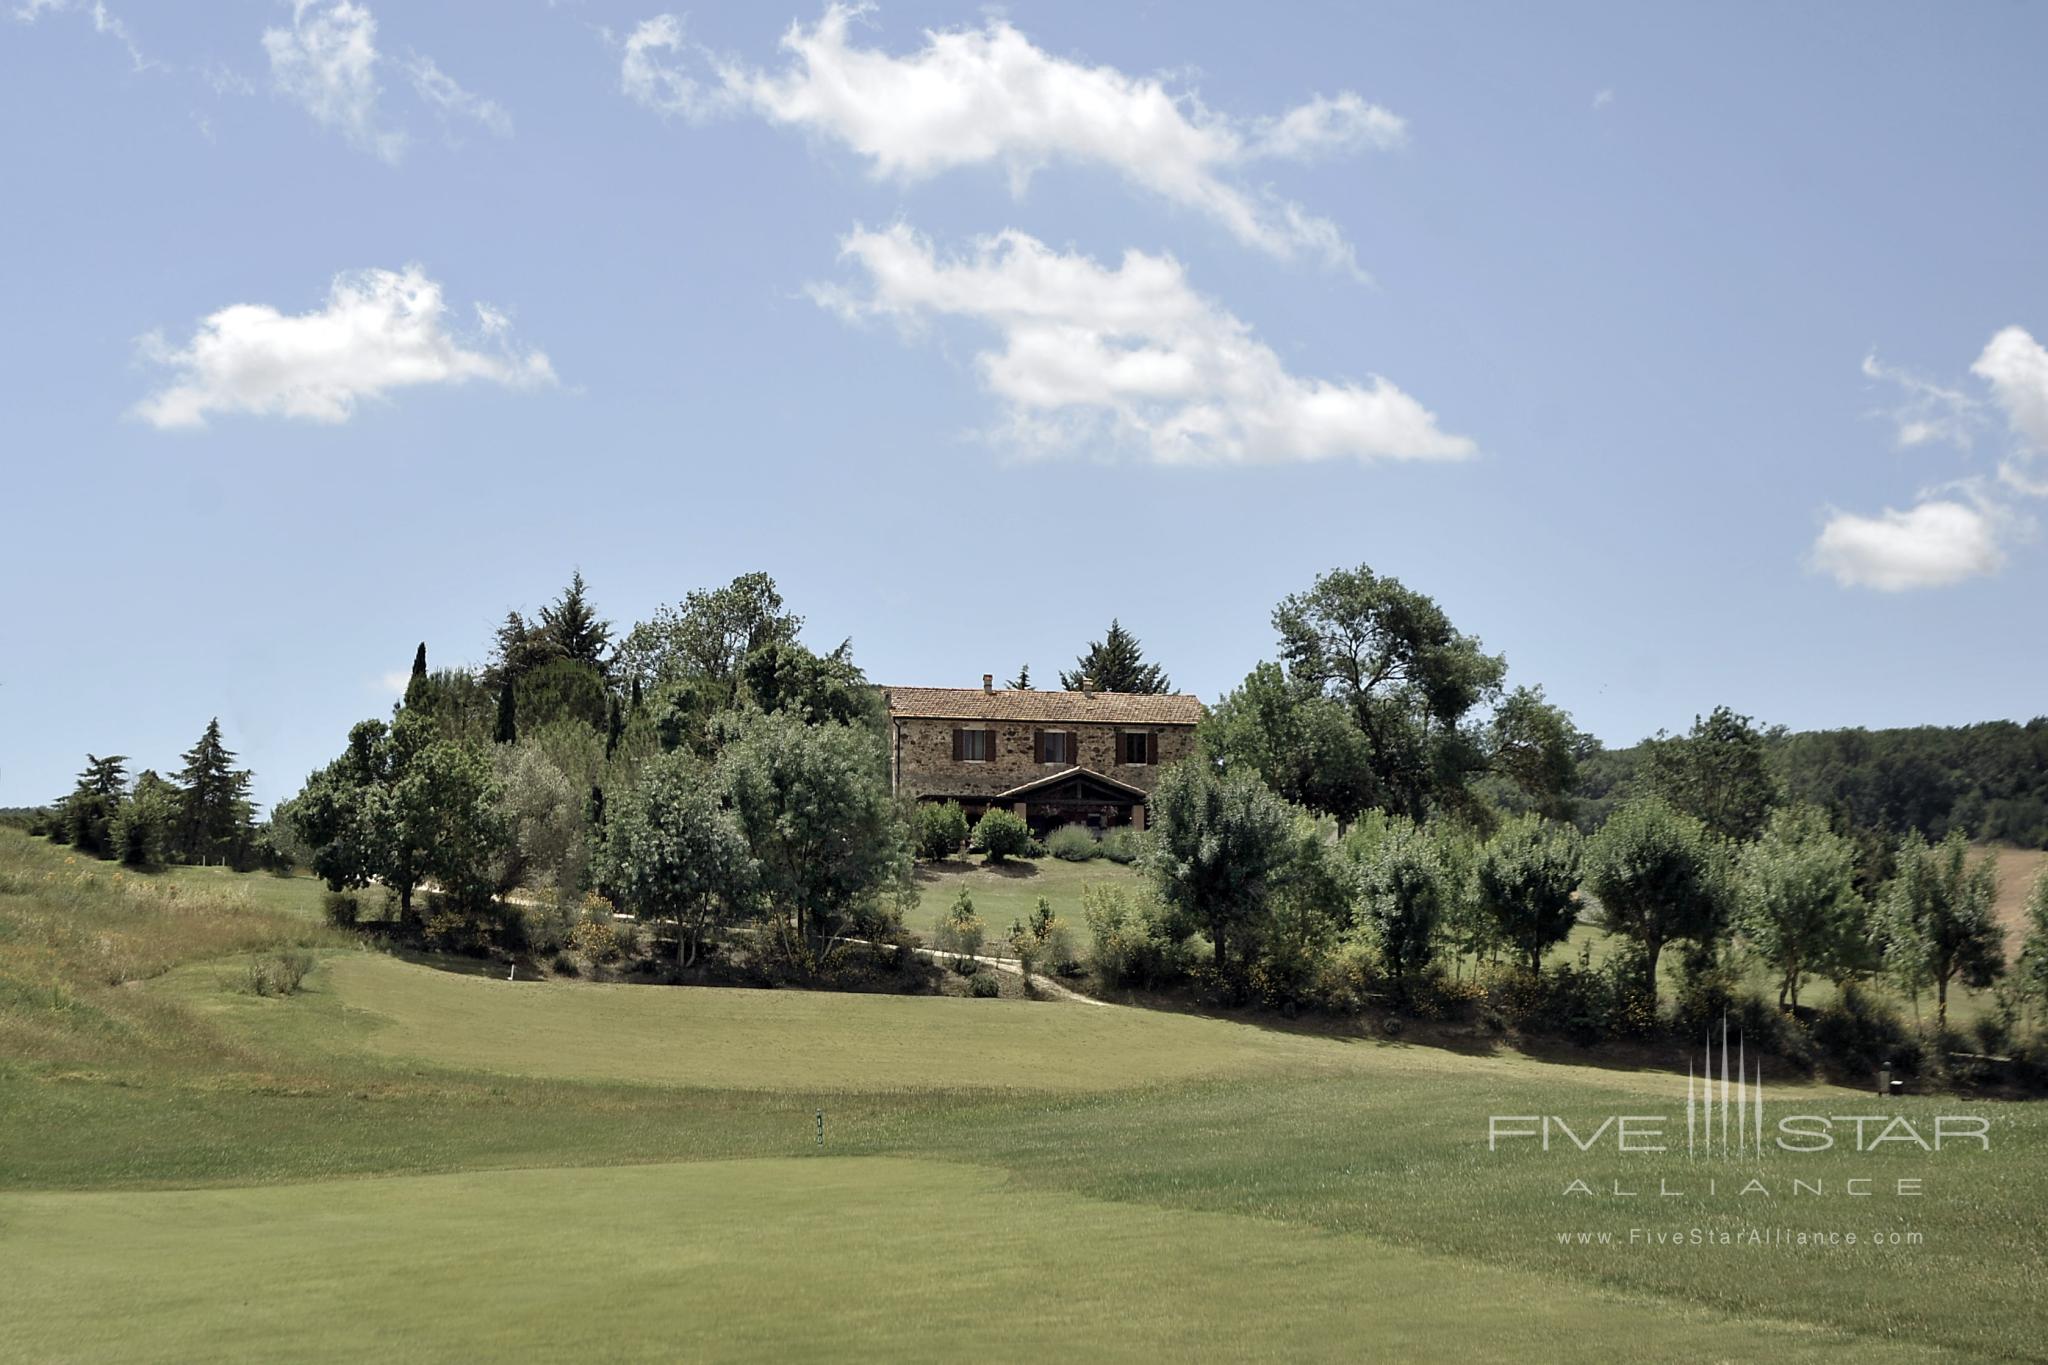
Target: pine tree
(1022, 682)
(1116, 663)
(572, 628)
(213, 796)
(508, 715)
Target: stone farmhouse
(1056, 758)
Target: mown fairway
(405, 1161)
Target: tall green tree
(1022, 682)
(1527, 876)
(1116, 663)
(1936, 919)
(1798, 906)
(709, 634)
(676, 851)
(87, 814)
(213, 799)
(1301, 743)
(1719, 772)
(507, 729)
(403, 807)
(1657, 875)
(1218, 843)
(2033, 965)
(1383, 705)
(571, 628)
(140, 831)
(814, 803)
(1406, 889)
(784, 676)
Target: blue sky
(1687, 354)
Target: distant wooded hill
(1990, 780)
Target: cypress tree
(508, 715)
(614, 728)
(416, 685)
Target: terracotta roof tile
(1062, 707)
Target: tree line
(199, 814)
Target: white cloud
(1935, 544)
(379, 330)
(1927, 412)
(448, 99)
(649, 80)
(989, 96)
(327, 61)
(104, 23)
(395, 681)
(1131, 353)
(2016, 367)
(1602, 98)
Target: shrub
(278, 973)
(961, 930)
(941, 830)
(1135, 941)
(563, 965)
(473, 930)
(965, 966)
(1122, 845)
(984, 987)
(1002, 834)
(1073, 843)
(344, 909)
(596, 940)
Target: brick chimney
(1087, 685)
(988, 682)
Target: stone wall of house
(928, 769)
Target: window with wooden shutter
(959, 744)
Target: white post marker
(821, 1128)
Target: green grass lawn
(777, 1260)
(1009, 893)
(408, 1161)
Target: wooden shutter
(1038, 746)
(959, 744)
(1152, 747)
(990, 752)
(1073, 748)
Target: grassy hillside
(634, 1172)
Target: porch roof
(1036, 783)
